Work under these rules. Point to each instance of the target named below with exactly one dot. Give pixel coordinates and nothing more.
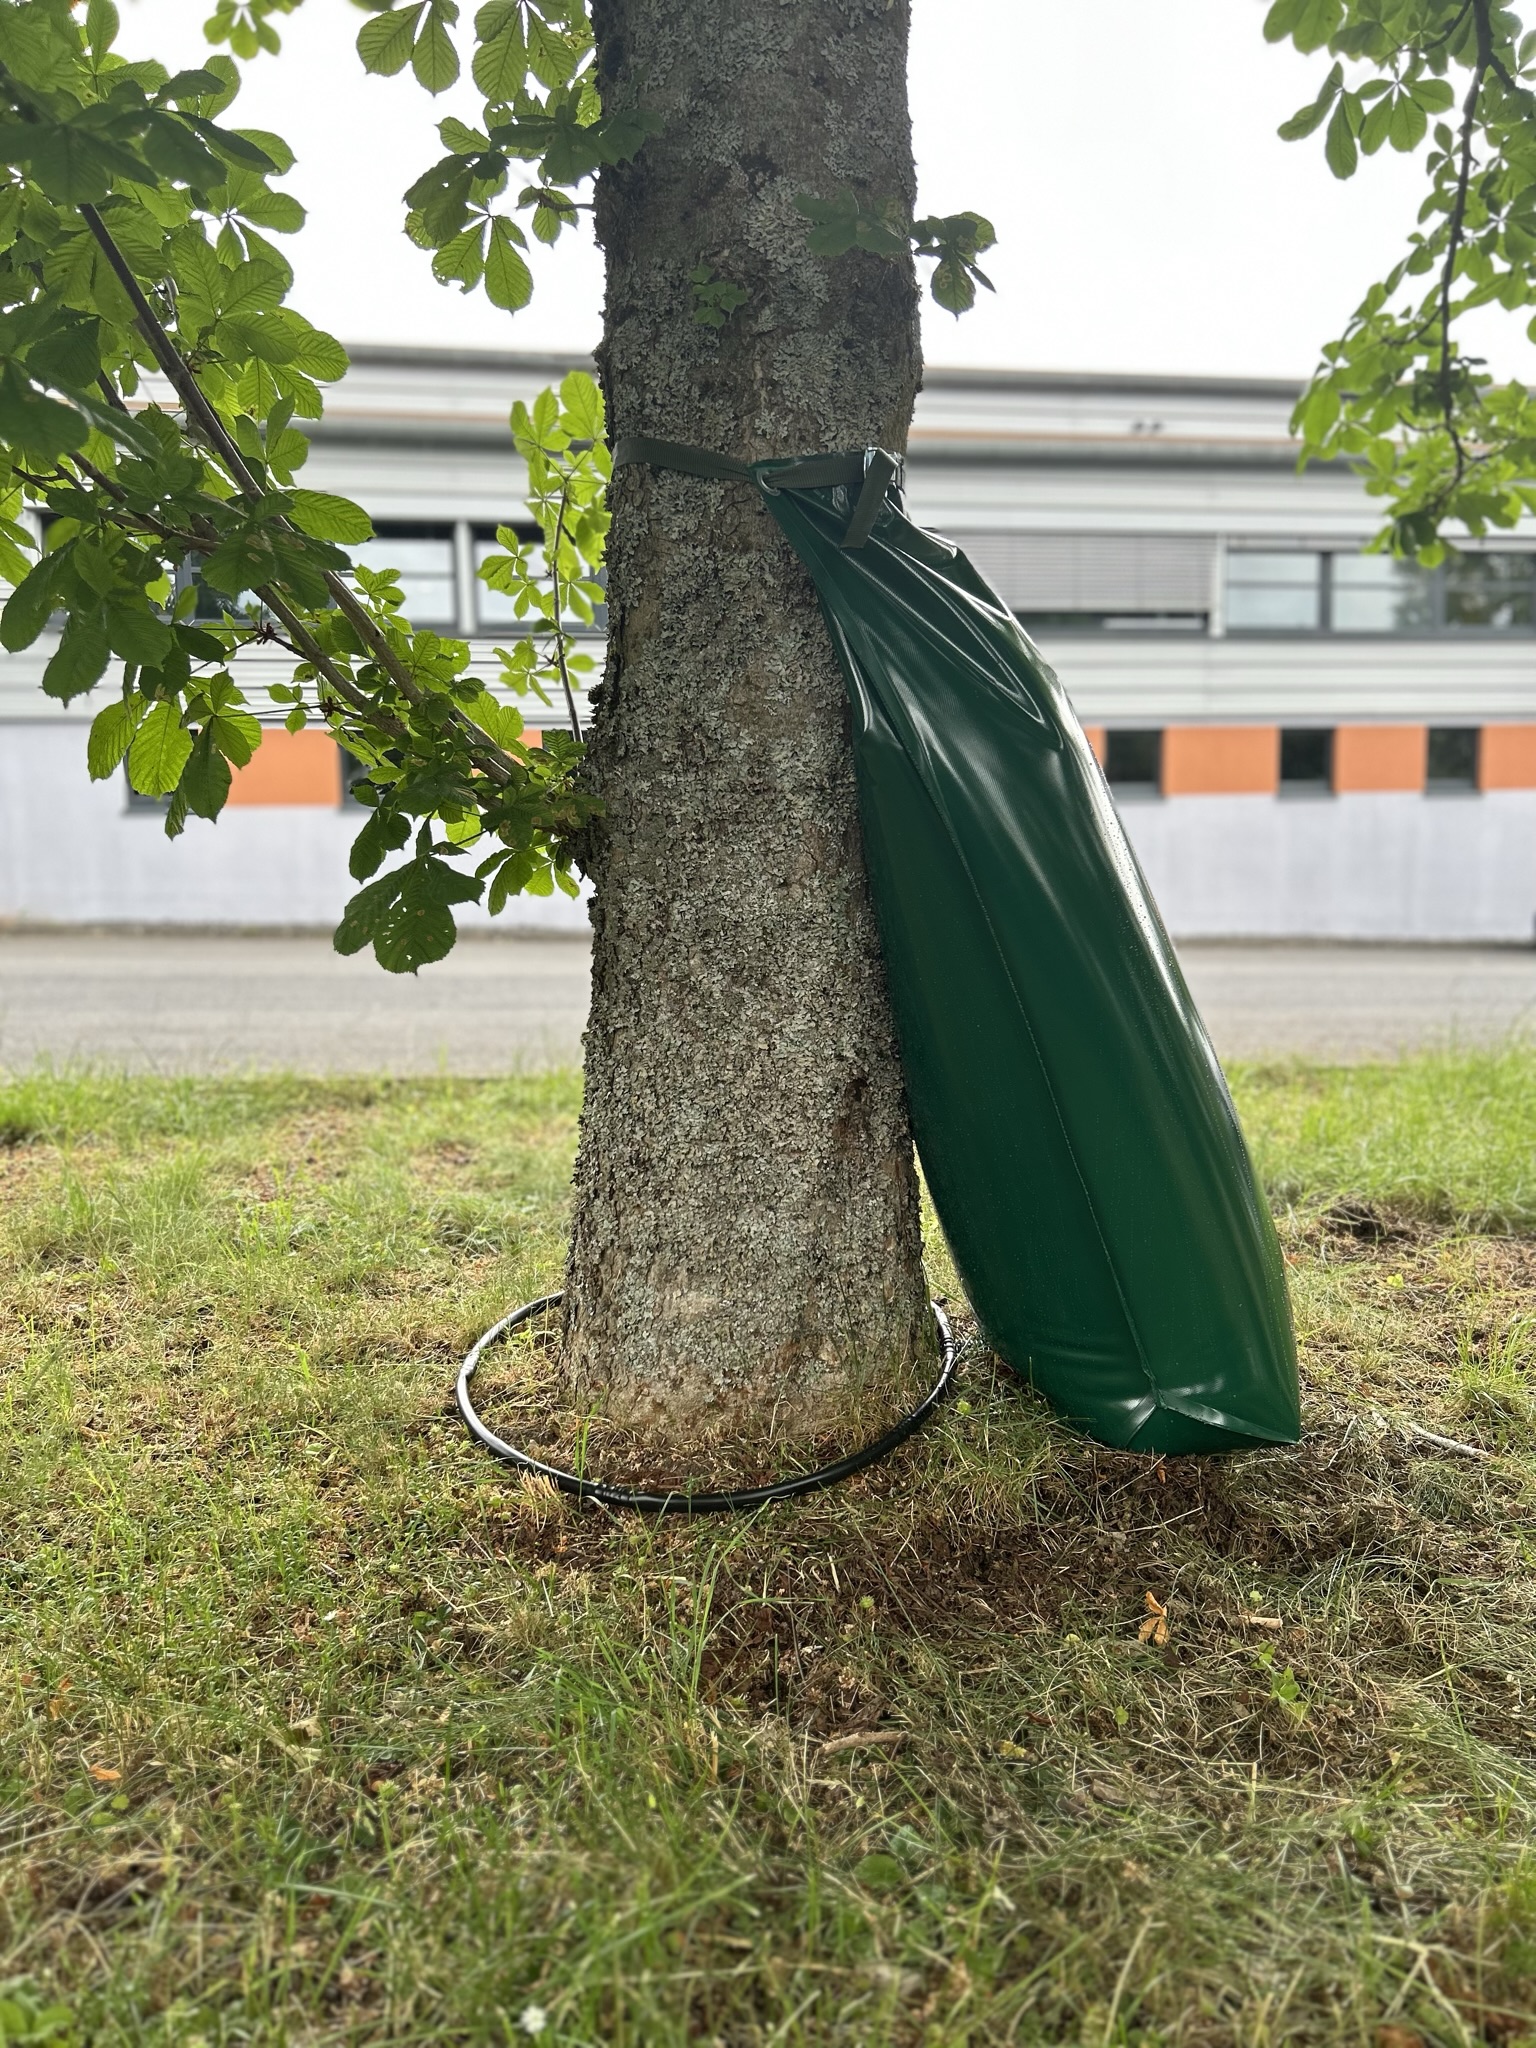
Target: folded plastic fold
(1074, 1126)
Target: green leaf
(552, 56)
(18, 552)
(325, 516)
(160, 750)
(952, 287)
(1318, 412)
(834, 222)
(460, 260)
(101, 25)
(385, 42)
(455, 135)
(501, 65)
(194, 85)
(582, 404)
(134, 632)
(205, 780)
(69, 354)
(508, 280)
(845, 223)
(1409, 123)
(1317, 21)
(178, 156)
(78, 660)
(384, 832)
(1374, 128)
(1339, 144)
(112, 729)
(1434, 95)
(272, 147)
(74, 164)
(31, 604)
(1312, 117)
(406, 915)
(309, 350)
(879, 1872)
(502, 722)
(1281, 20)
(620, 136)
(236, 734)
(39, 426)
(279, 211)
(434, 60)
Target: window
(1310, 590)
(212, 604)
(1453, 752)
(1280, 591)
(1377, 594)
(493, 608)
(1491, 591)
(353, 771)
(1133, 759)
(139, 804)
(424, 557)
(1112, 622)
(1086, 582)
(1306, 760)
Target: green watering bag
(1074, 1126)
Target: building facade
(1304, 739)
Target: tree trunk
(746, 1241)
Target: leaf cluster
(534, 63)
(1434, 434)
(535, 66)
(154, 390)
(954, 241)
(715, 298)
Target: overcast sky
(1148, 217)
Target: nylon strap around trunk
(873, 470)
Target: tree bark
(746, 1242)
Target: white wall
(1354, 866)
(1357, 866)
(72, 853)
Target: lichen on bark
(746, 1241)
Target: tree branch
(554, 575)
(1458, 227)
(488, 757)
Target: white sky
(1148, 217)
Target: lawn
(317, 1727)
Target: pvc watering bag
(1074, 1126)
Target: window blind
(1096, 572)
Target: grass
(316, 1728)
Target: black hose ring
(733, 1501)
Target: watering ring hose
(678, 1502)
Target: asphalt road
(178, 1002)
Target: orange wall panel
(1507, 757)
(1380, 756)
(1094, 735)
(1221, 760)
(290, 768)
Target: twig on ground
(1430, 1436)
(864, 1738)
